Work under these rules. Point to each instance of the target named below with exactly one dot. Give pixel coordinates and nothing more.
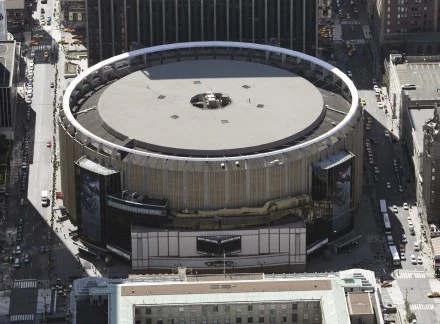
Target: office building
(346, 297)
(9, 71)
(414, 89)
(395, 20)
(130, 24)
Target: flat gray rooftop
(265, 111)
(418, 119)
(293, 109)
(426, 77)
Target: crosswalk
(31, 283)
(350, 22)
(42, 47)
(359, 41)
(410, 275)
(21, 317)
(421, 307)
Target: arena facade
(211, 155)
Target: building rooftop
(155, 106)
(424, 75)
(150, 109)
(418, 118)
(179, 290)
(359, 303)
(7, 55)
(93, 166)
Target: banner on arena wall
(3, 21)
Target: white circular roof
(77, 82)
(270, 107)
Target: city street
(29, 222)
(410, 282)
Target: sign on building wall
(3, 21)
(80, 18)
(70, 16)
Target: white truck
(45, 198)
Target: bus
(387, 224)
(395, 255)
(383, 206)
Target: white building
(345, 297)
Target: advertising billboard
(341, 195)
(90, 204)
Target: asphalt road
(411, 282)
(28, 296)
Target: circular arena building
(190, 153)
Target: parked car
(413, 259)
(404, 239)
(416, 246)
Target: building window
(193, 320)
(250, 319)
(294, 306)
(433, 170)
(204, 309)
(284, 318)
(238, 319)
(159, 321)
(294, 318)
(306, 306)
(227, 308)
(249, 308)
(181, 321)
(215, 309)
(316, 317)
(204, 320)
(283, 306)
(227, 320)
(170, 320)
(316, 306)
(433, 178)
(148, 310)
(214, 320)
(261, 319)
(272, 318)
(306, 316)
(148, 321)
(261, 308)
(181, 309)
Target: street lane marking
(421, 306)
(22, 317)
(25, 284)
(410, 275)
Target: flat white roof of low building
(174, 290)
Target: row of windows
(227, 308)
(238, 319)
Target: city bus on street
(387, 224)
(383, 206)
(395, 255)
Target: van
(408, 86)
(17, 263)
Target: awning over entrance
(334, 160)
